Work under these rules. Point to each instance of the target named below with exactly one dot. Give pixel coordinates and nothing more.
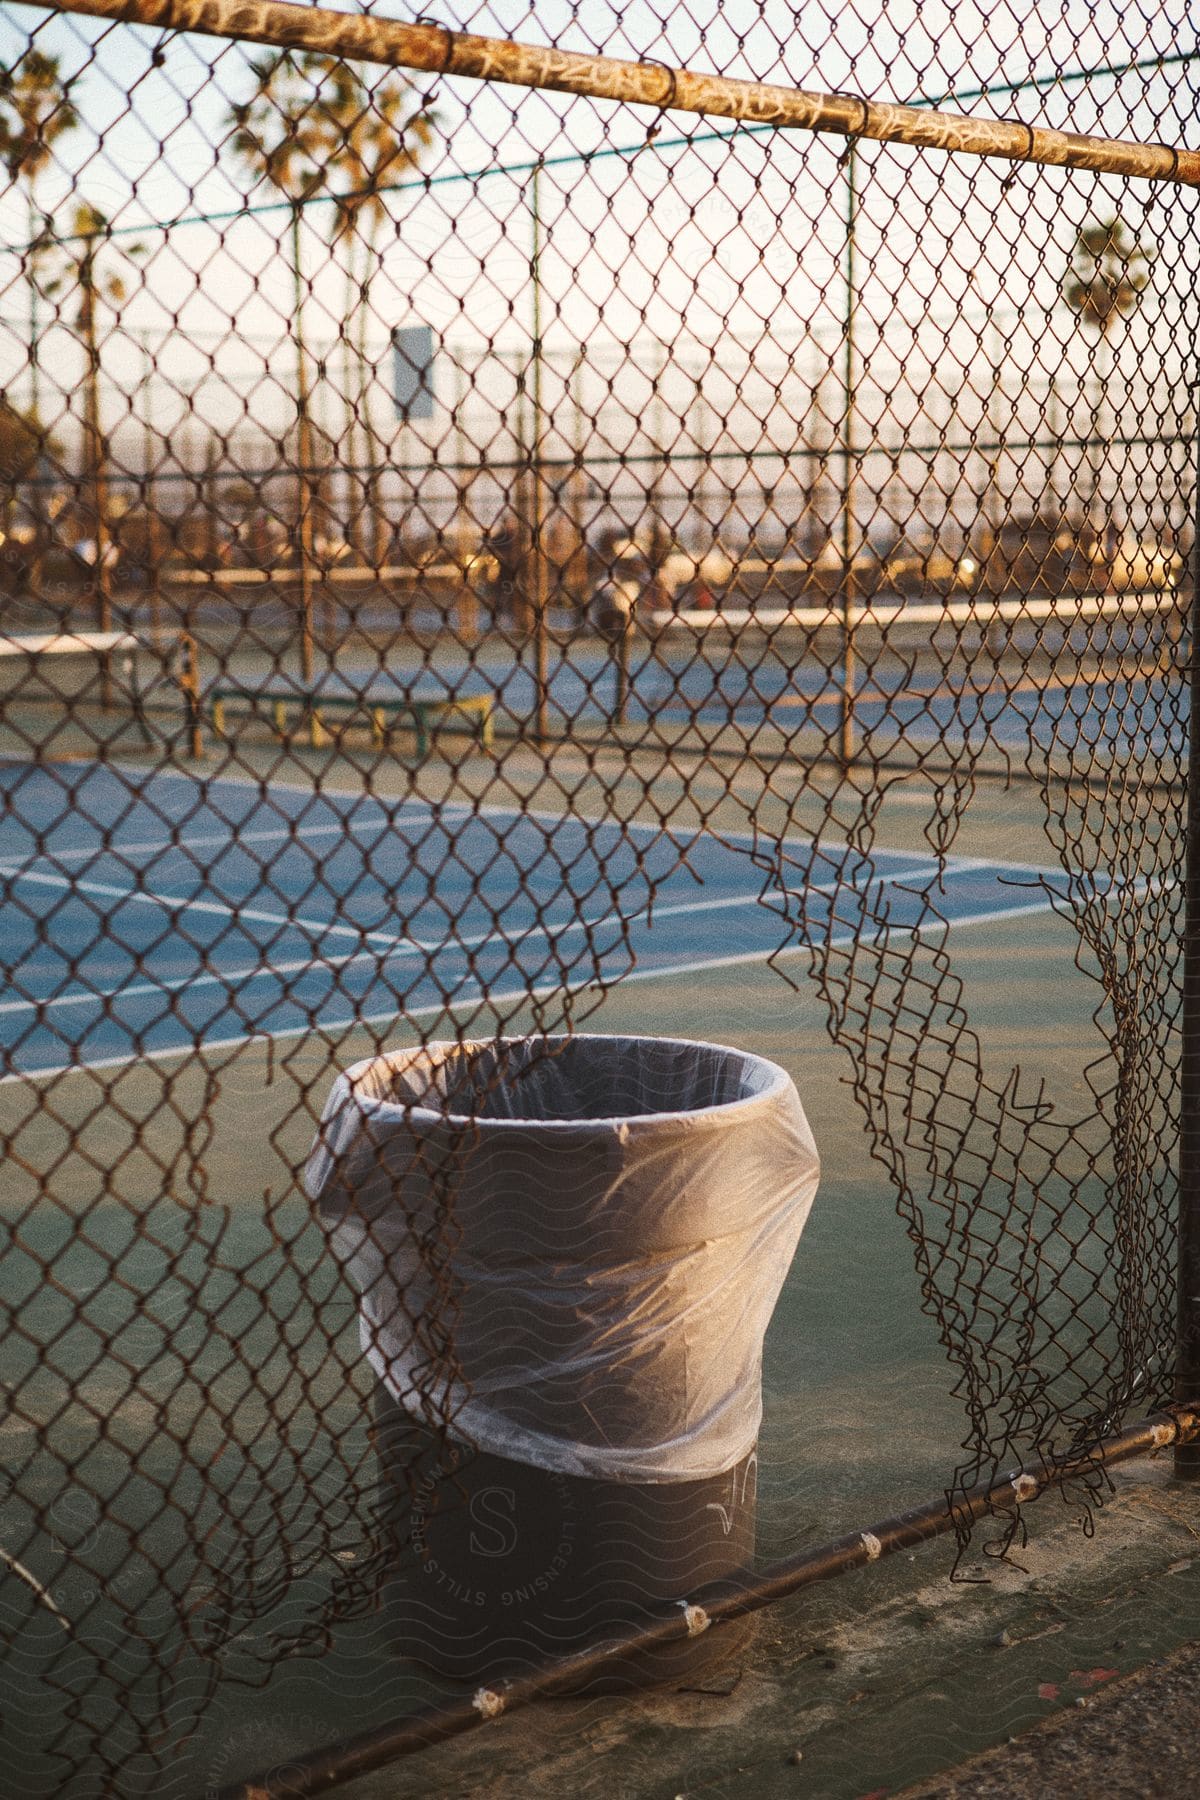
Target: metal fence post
(1187, 1369)
(304, 456)
(468, 598)
(849, 594)
(538, 509)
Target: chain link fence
(422, 488)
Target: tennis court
(898, 704)
(198, 912)
(1029, 678)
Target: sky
(727, 244)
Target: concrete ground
(866, 1687)
(1135, 1739)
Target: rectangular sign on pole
(412, 347)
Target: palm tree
(384, 135)
(35, 112)
(288, 134)
(1108, 274)
(90, 272)
(1103, 284)
(19, 447)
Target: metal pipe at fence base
(438, 50)
(329, 1768)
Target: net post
(1187, 1368)
(620, 712)
(189, 686)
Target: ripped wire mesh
(465, 555)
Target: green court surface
(185, 1170)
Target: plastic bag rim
(780, 1082)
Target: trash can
(568, 1250)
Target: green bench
(426, 713)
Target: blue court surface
(147, 913)
(748, 683)
(892, 706)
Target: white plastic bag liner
(625, 1210)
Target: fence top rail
(440, 51)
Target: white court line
(542, 991)
(177, 903)
(194, 903)
(650, 827)
(929, 866)
(180, 903)
(470, 809)
(232, 839)
(719, 835)
(202, 778)
(414, 947)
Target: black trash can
(569, 1352)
